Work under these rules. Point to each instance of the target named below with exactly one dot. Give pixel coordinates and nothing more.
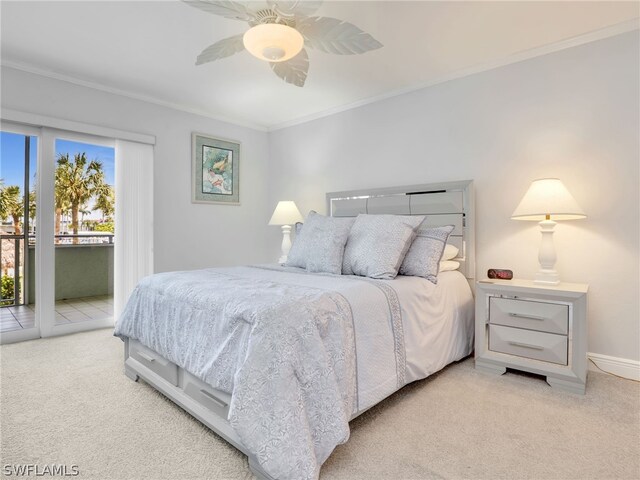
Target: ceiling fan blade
(224, 8)
(293, 71)
(301, 8)
(221, 49)
(331, 35)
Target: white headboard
(449, 203)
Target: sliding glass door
(58, 232)
(72, 253)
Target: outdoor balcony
(83, 279)
(66, 311)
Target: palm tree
(105, 202)
(76, 182)
(3, 202)
(32, 206)
(12, 206)
(61, 205)
(83, 211)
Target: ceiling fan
(279, 33)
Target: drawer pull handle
(148, 358)
(532, 317)
(526, 345)
(211, 397)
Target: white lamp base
(286, 243)
(547, 275)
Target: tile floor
(67, 311)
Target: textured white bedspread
(300, 353)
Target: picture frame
(215, 170)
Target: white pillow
(450, 251)
(319, 245)
(378, 244)
(423, 258)
(449, 265)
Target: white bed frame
(450, 203)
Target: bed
(278, 360)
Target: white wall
(186, 235)
(572, 114)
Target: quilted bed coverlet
(299, 353)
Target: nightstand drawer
(541, 316)
(547, 347)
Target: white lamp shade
(286, 213)
(548, 198)
(273, 42)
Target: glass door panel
(18, 167)
(83, 235)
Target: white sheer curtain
(133, 255)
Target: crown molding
(28, 68)
(611, 31)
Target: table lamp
(547, 200)
(285, 214)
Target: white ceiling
(148, 50)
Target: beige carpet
(66, 400)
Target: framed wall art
(215, 170)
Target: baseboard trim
(623, 367)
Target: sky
(12, 157)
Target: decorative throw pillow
(319, 244)
(378, 243)
(296, 229)
(448, 266)
(423, 258)
(450, 251)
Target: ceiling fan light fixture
(273, 42)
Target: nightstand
(536, 328)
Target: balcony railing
(72, 240)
